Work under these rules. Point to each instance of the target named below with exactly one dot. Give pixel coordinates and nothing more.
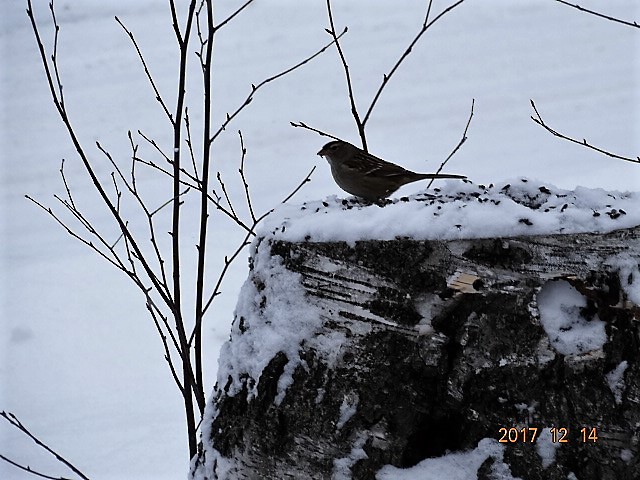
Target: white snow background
(81, 364)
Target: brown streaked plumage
(367, 176)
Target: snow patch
(454, 466)
(459, 210)
(215, 465)
(629, 274)
(569, 332)
(626, 455)
(272, 315)
(342, 466)
(546, 448)
(529, 408)
(348, 409)
(615, 379)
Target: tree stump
(396, 352)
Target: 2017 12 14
(558, 435)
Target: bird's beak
(321, 153)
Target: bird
(367, 176)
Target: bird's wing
(367, 164)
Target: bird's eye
(333, 147)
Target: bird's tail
(441, 175)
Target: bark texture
(444, 347)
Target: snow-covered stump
(489, 358)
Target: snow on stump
(469, 332)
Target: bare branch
(168, 202)
(197, 182)
(345, 66)
(117, 191)
(66, 186)
(244, 243)
(244, 180)
(83, 157)
(134, 154)
(149, 214)
(187, 124)
(226, 195)
(130, 187)
(232, 16)
(601, 15)
(30, 470)
(146, 71)
(201, 39)
(227, 263)
(153, 143)
(300, 185)
(320, 132)
(385, 78)
(538, 119)
(163, 337)
(79, 216)
(460, 143)
(215, 201)
(91, 245)
(13, 420)
(54, 55)
(255, 88)
(172, 327)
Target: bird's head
(335, 150)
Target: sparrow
(367, 176)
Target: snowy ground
(81, 364)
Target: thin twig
(78, 215)
(163, 337)
(54, 55)
(538, 119)
(130, 257)
(13, 420)
(134, 154)
(168, 202)
(187, 125)
(30, 470)
(345, 66)
(227, 263)
(163, 279)
(153, 143)
(118, 192)
(66, 185)
(201, 39)
(245, 242)
(320, 132)
(460, 143)
(169, 160)
(74, 234)
(300, 185)
(231, 17)
(73, 208)
(244, 180)
(255, 88)
(83, 157)
(197, 182)
(120, 237)
(601, 15)
(174, 22)
(215, 201)
(146, 71)
(385, 78)
(132, 190)
(226, 195)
